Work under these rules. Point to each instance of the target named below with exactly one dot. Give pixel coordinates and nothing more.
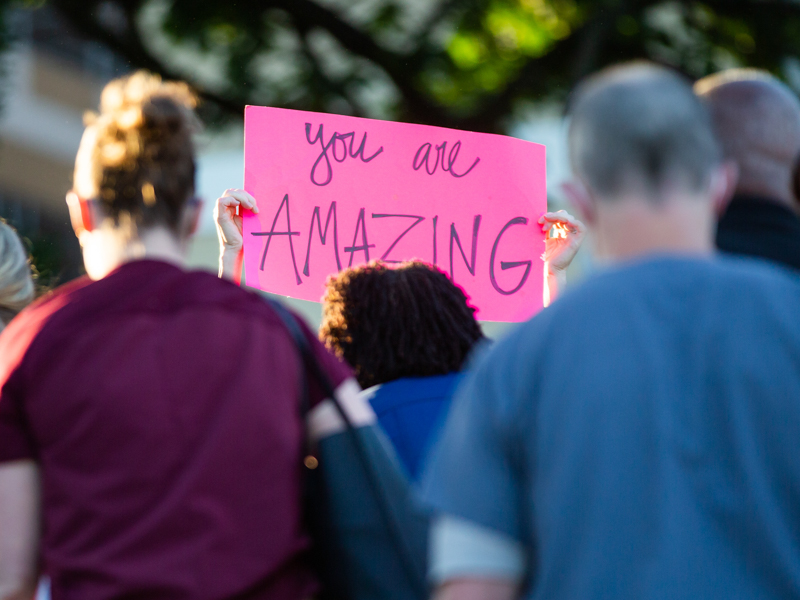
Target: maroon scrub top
(162, 408)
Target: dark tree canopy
(462, 63)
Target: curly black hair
(393, 322)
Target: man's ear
(723, 186)
(81, 214)
(191, 216)
(581, 199)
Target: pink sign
(337, 191)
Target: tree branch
(781, 8)
(436, 16)
(336, 86)
(131, 48)
(588, 46)
(398, 67)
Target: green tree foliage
(461, 63)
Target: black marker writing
(365, 245)
(331, 146)
(447, 160)
(476, 223)
(508, 265)
(361, 243)
(435, 219)
(399, 237)
(289, 233)
(323, 236)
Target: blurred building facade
(50, 78)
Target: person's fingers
(245, 199)
(559, 217)
(557, 227)
(549, 219)
(553, 219)
(559, 214)
(231, 192)
(228, 201)
(225, 208)
(568, 218)
(554, 233)
(560, 225)
(575, 226)
(572, 226)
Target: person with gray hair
(16, 283)
(757, 119)
(637, 439)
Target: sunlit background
(503, 66)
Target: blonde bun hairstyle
(143, 157)
(16, 284)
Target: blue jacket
(412, 411)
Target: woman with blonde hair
(151, 441)
(16, 283)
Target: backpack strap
(314, 369)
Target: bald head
(639, 127)
(757, 119)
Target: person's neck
(110, 248)
(775, 188)
(631, 227)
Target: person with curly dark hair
(407, 331)
(390, 323)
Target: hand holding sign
(561, 248)
(228, 218)
(337, 191)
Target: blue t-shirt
(640, 437)
(410, 411)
